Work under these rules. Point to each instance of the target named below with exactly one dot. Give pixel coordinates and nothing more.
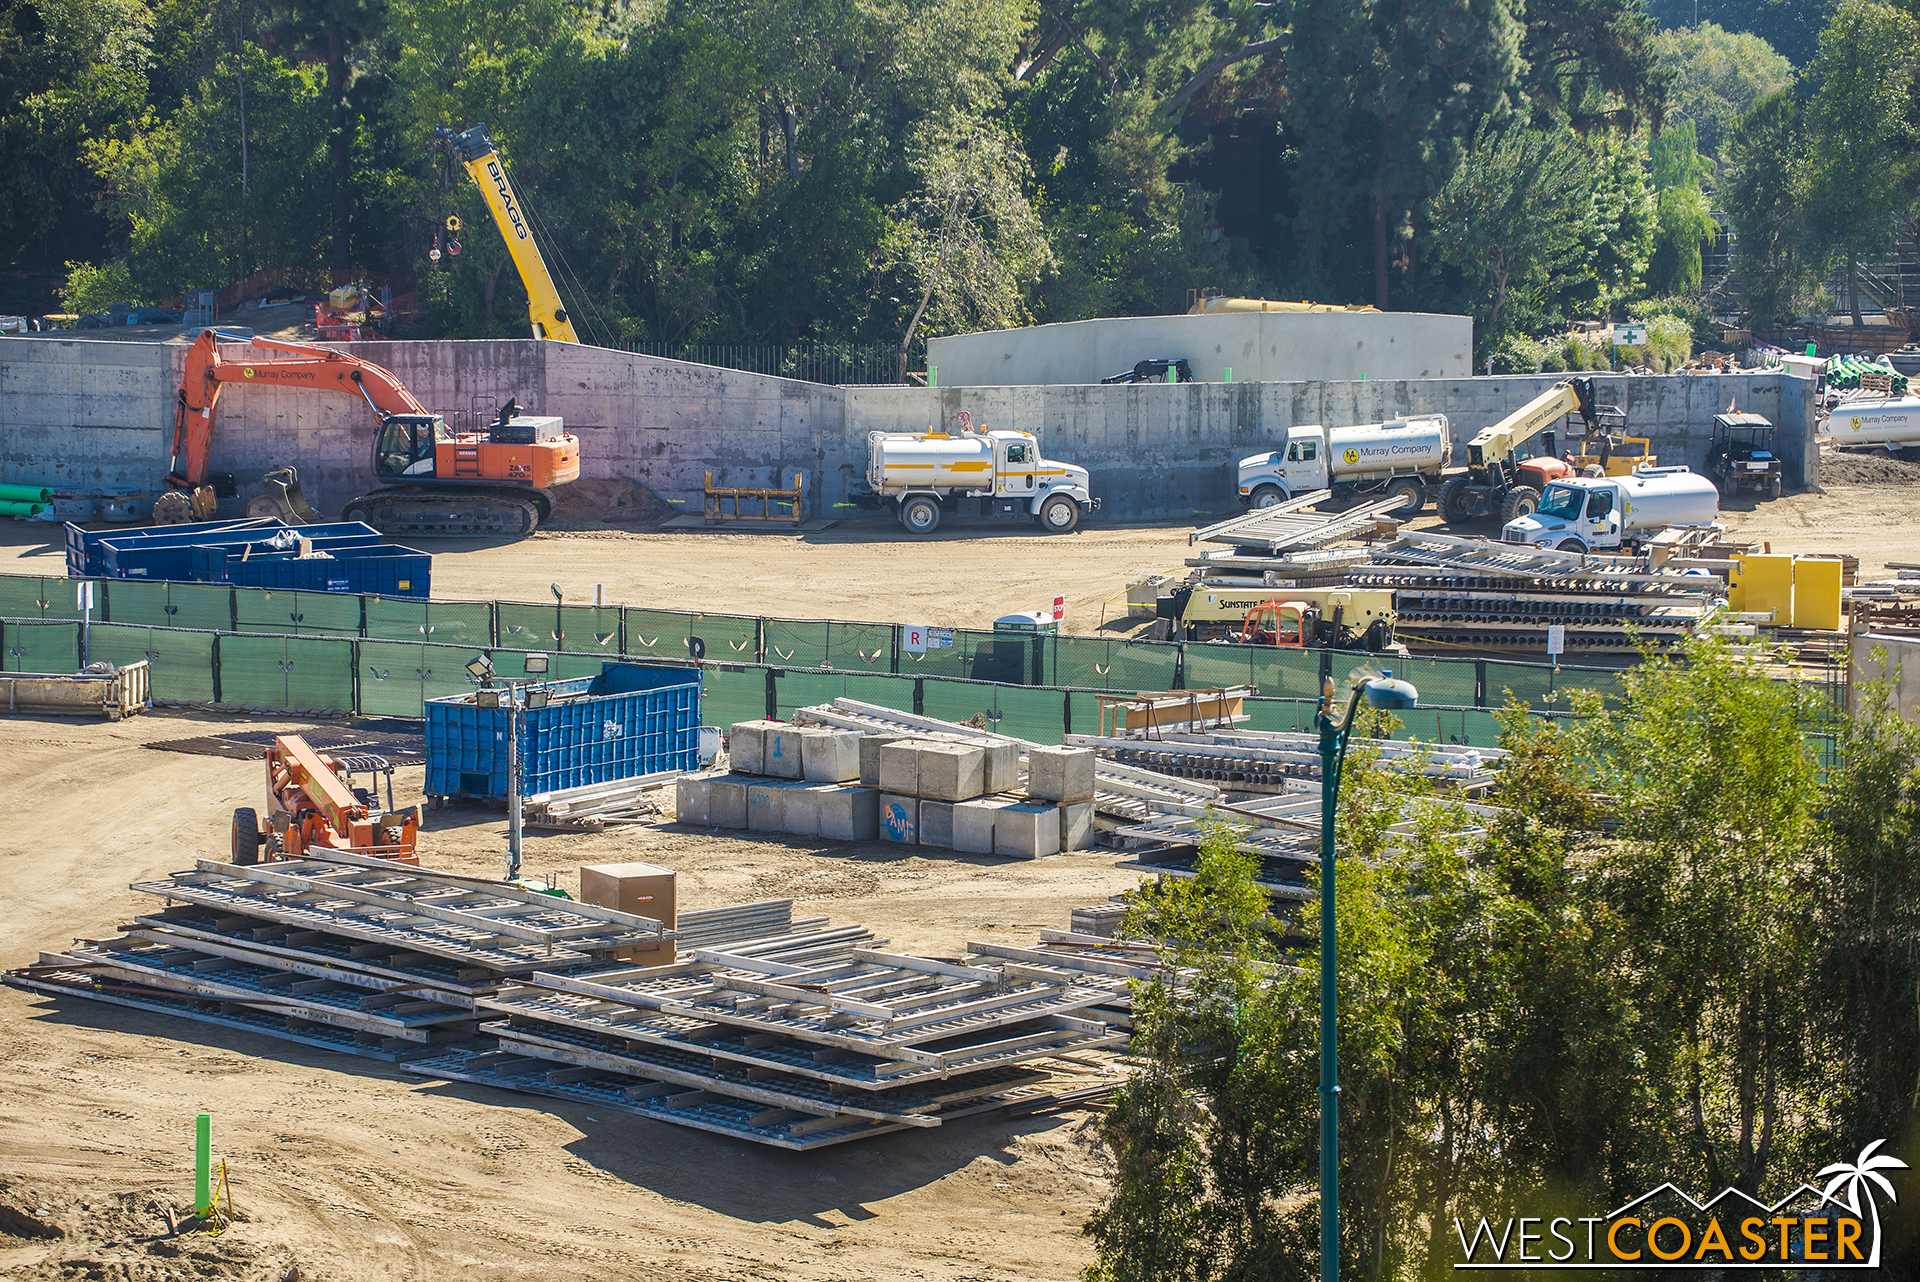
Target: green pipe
(203, 1164)
(26, 493)
(21, 508)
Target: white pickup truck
(1401, 457)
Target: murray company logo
(1837, 1227)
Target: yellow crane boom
(1494, 445)
(476, 151)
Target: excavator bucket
(281, 496)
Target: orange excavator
(433, 480)
(312, 805)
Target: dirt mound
(589, 504)
(1869, 467)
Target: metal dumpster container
(633, 719)
(384, 570)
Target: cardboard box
(645, 890)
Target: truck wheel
(1450, 504)
(1266, 496)
(921, 515)
(1773, 490)
(246, 836)
(1412, 496)
(1059, 514)
(1571, 545)
(1521, 500)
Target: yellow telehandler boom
(476, 151)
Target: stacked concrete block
(950, 772)
(1000, 767)
(783, 752)
(746, 741)
(831, 756)
(727, 802)
(1060, 774)
(972, 824)
(1076, 824)
(899, 819)
(936, 823)
(871, 746)
(1026, 830)
(900, 768)
(767, 805)
(692, 800)
(849, 813)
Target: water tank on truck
(1398, 458)
(997, 475)
(1583, 514)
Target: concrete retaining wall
(100, 413)
(1259, 347)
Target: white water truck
(1401, 457)
(1892, 422)
(1592, 513)
(923, 476)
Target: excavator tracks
(421, 513)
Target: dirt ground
(351, 1169)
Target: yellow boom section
(476, 151)
(1495, 444)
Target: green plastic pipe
(203, 1164)
(21, 508)
(26, 493)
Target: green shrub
(91, 289)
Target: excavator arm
(319, 369)
(476, 151)
(1496, 444)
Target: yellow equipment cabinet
(1816, 594)
(476, 151)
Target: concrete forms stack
(855, 772)
(1470, 592)
(1264, 761)
(798, 1042)
(797, 1034)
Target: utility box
(645, 890)
(630, 720)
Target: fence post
(1326, 668)
(893, 659)
(1066, 712)
(773, 693)
(1479, 683)
(1180, 665)
(919, 696)
(213, 657)
(354, 689)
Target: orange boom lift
(313, 805)
(434, 480)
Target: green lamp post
(1383, 691)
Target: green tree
(1685, 226)
(1514, 210)
(1715, 787)
(1765, 198)
(1790, 26)
(1717, 77)
(1856, 129)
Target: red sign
(1059, 609)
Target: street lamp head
(1387, 691)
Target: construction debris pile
(795, 1034)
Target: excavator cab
(404, 451)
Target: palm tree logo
(1863, 1175)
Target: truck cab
(1278, 475)
(1574, 515)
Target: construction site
(700, 808)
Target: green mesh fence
(1528, 683)
(730, 695)
(511, 665)
(1093, 664)
(528, 627)
(958, 700)
(443, 671)
(20, 596)
(61, 600)
(203, 606)
(804, 689)
(390, 682)
(334, 614)
(41, 647)
(1035, 713)
(1441, 682)
(865, 646)
(661, 634)
(287, 672)
(128, 601)
(441, 622)
(590, 629)
(801, 644)
(1210, 667)
(1280, 716)
(954, 660)
(1282, 674)
(180, 663)
(1607, 684)
(1083, 712)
